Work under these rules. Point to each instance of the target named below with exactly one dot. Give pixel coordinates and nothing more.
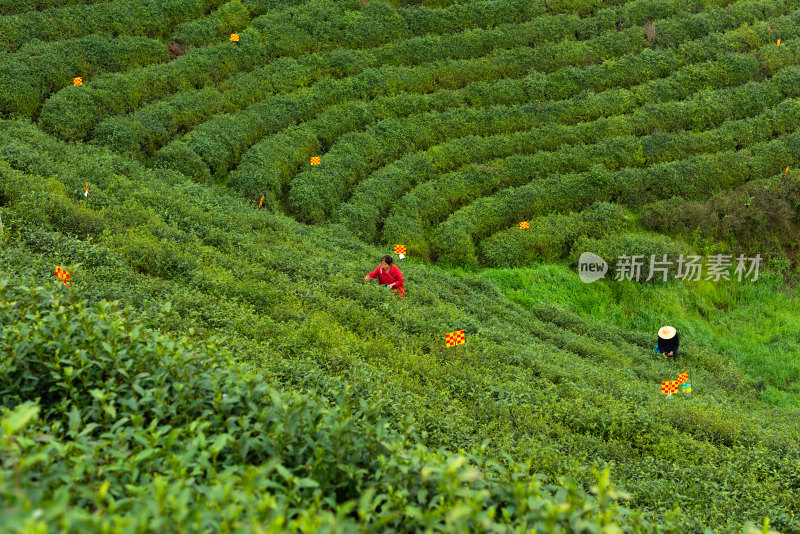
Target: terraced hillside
(254, 383)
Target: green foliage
(15, 7)
(753, 218)
(228, 18)
(150, 18)
(251, 359)
(39, 69)
(87, 378)
(551, 237)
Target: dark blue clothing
(665, 346)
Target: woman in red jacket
(388, 274)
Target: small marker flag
(86, 189)
(779, 42)
(786, 171)
(261, 202)
(399, 249)
(315, 160)
(683, 377)
(234, 37)
(525, 224)
(77, 81)
(62, 276)
(669, 387)
(454, 338)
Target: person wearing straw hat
(668, 340)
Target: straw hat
(666, 332)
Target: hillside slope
(541, 387)
(250, 340)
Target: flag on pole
(235, 37)
(786, 171)
(454, 338)
(315, 160)
(669, 387)
(261, 202)
(525, 224)
(399, 249)
(683, 377)
(62, 276)
(779, 42)
(86, 189)
(77, 81)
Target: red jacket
(389, 276)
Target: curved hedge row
(551, 237)
(125, 92)
(373, 196)
(405, 222)
(28, 77)
(143, 132)
(225, 20)
(220, 142)
(149, 18)
(288, 74)
(692, 178)
(16, 7)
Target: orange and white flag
(86, 189)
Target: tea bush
(128, 91)
(752, 218)
(550, 238)
(151, 18)
(227, 19)
(38, 69)
(87, 378)
(15, 7)
(254, 381)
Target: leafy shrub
(551, 237)
(125, 17)
(752, 217)
(88, 378)
(228, 18)
(40, 69)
